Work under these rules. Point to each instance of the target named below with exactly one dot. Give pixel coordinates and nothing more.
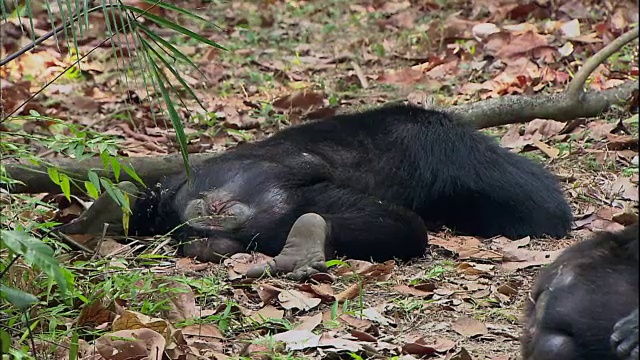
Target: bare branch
(150, 169)
(576, 86)
(562, 107)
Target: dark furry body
(377, 177)
(579, 298)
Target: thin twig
(363, 80)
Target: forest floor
(293, 61)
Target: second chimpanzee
(360, 185)
(584, 305)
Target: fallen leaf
(131, 344)
(300, 100)
(465, 246)
(625, 189)
(411, 290)
(523, 258)
(405, 76)
(469, 327)
(267, 312)
(551, 152)
(571, 29)
(294, 299)
(309, 322)
(204, 330)
(522, 43)
(356, 323)
(94, 314)
(337, 344)
(298, 339)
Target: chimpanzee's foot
(211, 249)
(304, 252)
(103, 211)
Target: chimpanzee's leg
(351, 224)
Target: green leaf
(129, 170)
(168, 24)
(104, 156)
(54, 175)
(116, 194)
(176, 9)
(91, 189)
(175, 119)
(79, 151)
(115, 165)
(95, 180)
(65, 185)
(74, 346)
(175, 52)
(5, 340)
(109, 188)
(20, 299)
(36, 253)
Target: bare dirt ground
(294, 61)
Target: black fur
(579, 298)
(377, 177)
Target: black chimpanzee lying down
(361, 185)
(584, 305)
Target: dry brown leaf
(131, 344)
(465, 246)
(600, 129)
(622, 142)
(332, 343)
(349, 293)
(267, 312)
(521, 44)
(190, 264)
(94, 314)
(203, 330)
(301, 100)
(418, 347)
(298, 339)
(356, 323)
(290, 299)
(443, 345)
(414, 291)
(551, 152)
(309, 322)
(353, 267)
(362, 336)
(474, 268)
(624, 188)
(182, 303)
(469, 327)
(463, 354)
(406, 76)
(522, 258)
(238, 264)
(323, 291)
(131, 320)
(108, 247)
(545, 128)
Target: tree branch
(561, 107)
(576, 86)
(150, 169)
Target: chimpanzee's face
(216, 210)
